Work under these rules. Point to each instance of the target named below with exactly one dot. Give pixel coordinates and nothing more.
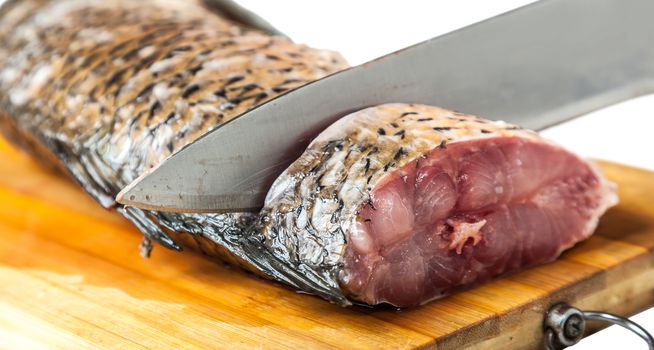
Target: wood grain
(71, 277)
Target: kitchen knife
(535, 66)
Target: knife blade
(535, 66)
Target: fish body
(394, 204)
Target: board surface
(71, 278)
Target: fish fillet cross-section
(394, 204)
(429, 201)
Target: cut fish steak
(429, 201)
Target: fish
(397, 204)
(402, 204)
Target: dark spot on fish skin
(146, 91)
(298, 210)
(372, 206)
(195, 70)
(178, 77)
(156, 107)
(347, 155)
(190, 90)
(261, 96)
(407, 113)
(425, 119)
(442, 145)
(335, 214)
(249, 87)
(228, 43)
(387, 166)
(443, 128)
(134, 120)
(367, 166)
(205, 52)
(131, 54)
(183, 48)
(395, 125)
(118, 47)
(221, 93)
(294, 55)
(369, 179)
(234, 79)
(285, 70)
(116, 77)
(399, 154)
(272, 57)
(400, 133)
(279, 89)
(170, 118)
(381, 131)
(515, 127)
(170, 147)
(318, 183)
(484, 131)
(316, 168)
(93, 92)
(88, 60)
(289, 81)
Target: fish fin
(150, 229)
(238, 235)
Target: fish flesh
(397, 204)
(407, 203)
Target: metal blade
(535, 66)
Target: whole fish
(394, 204)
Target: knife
(535, 66)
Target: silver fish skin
(106, 90)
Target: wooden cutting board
(71, 277)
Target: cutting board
(71, 278)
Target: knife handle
(565, 325)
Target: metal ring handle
(623, 322)
(565, 326)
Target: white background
(362, 30)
